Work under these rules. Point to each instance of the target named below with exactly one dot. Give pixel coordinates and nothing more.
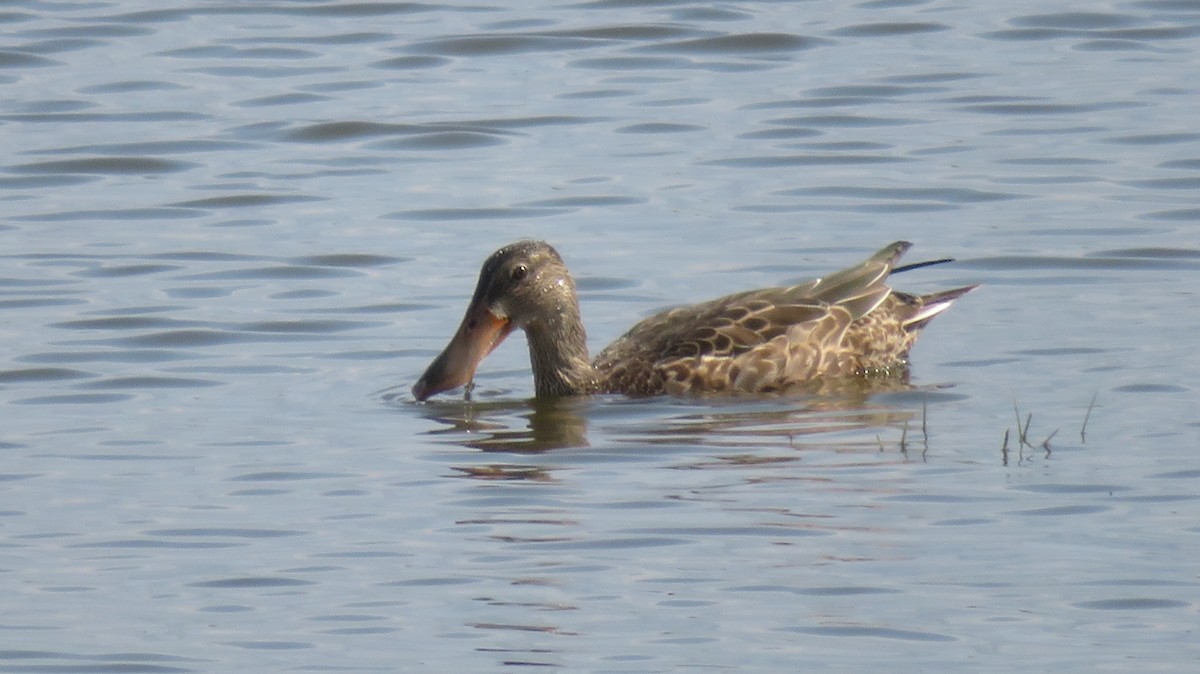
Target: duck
(848, 324)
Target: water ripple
(75, 399)
(1132, 604)
(136, 149)
(875, 632)
(1046, 108)
(745, 44)
(450, 214)
(442, 140)
(783, 161)
(149, 382)
(335, 131)
(142, 663)
(349, 260)
(316, 326)
(245, 201)
(113, 214)
(274, 272)
(11, 59)
(69, 118)
(225, 532)
(889, 29)
(251, 583)
(106, 165)
(491, 45)
(1043, 262)
(121, 270)
(122, 323)
(41, 374)
(945, 195)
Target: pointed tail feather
(932, 305)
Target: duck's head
(523, 285)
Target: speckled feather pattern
(844, 325)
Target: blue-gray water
(233, 234)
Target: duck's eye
(519, 272)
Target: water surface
(234, 234)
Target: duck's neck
(559, 354)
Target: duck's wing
(800, 352)
(760, 329)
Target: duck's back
(761, 340)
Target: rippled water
(235, 233)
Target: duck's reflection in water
(517, 426)
(831, 416)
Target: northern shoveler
(847, 324)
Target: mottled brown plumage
(847, 324)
